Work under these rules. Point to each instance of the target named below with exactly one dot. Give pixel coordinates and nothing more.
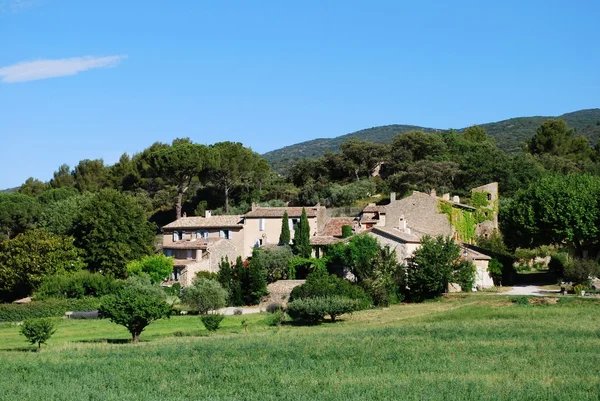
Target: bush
(135, 307)
(238, 312)
(322, 284)
(522, 300)
(495, 270)
(212, 321)
(581, 271)
(76, 285)
(274, 307)
(464, 275)
(48, 308)
(346, 231)
(275, 318)
(557, 263)
(580, 287)
(206, 275)
(156, 267)
(315, 309)
(38, 331)
(205, 295)
(174, 290)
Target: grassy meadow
(463, 347)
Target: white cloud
(42, 69)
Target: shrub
(275, 318)
(48, 308)
(346, 231)
(238, 312)
(135, 307)
(464, 275)
(76, 285)
(581, 271)
(322, 284)
(38, 331)
(174, 290)
(275, 261)
(315, 309)
(205, 295)
(212, 321)
(495, 270)
(558, 261)
(155, 267)
(580, 287)
(206, 275)
(522, 300)
(274, 307)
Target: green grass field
(475, 347)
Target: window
(225, 234)
(175, 236)
(169, 252)
(261, 224)
(189, 254)
(291, 224)
(201, 234)
(489, 196)
(295, 224)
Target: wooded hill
(509, 134)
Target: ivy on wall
(465, 221)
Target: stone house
(402, 223)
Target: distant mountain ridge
(509, 135)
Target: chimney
(254, 206)
(392, 197)
(184, 214)
(402, 224)
(455, 199)
(207, 214)
(446, 197)
(433, 194)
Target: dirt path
(529, 290)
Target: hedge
(47, 308)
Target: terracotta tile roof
(311, 211)
(200, 222)
(334, 226)
(326, 240)
(200, 243)
(396, 234)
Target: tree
(62, 177)
(59, 217)
(38, 331)
(554, 138)
(362, 156)
(33, 187)
(386, 279)
(301, 244)
(112, 230)
(234, 164)
(275, 261)
(559, 209)
(178, 164)
(123, 175)
(257, 279)
(29, 257)
(359, 254)
(433, 266)
(135, 307)
(205, 295)
(156, 267)
(475, 134)
(285, 237)
(90, 175)
(18, 213)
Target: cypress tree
(239, 279)
(302, 246)
(257, 279)
(284, 237)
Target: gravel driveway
(529, 290)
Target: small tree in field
(135, 307)
(38, 331)
(205, 295)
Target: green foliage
(156, 267)
(212, 321)
(521, 300)
(577, 289)
(495, 269)
(205, 295)
(386, 281)
(462, 220)
(346, 231)
(38, 331)
(59, 217)
(18, 213)
(580, 271)
(464, 275)
(475, 134)
(234, 279)
(494, 243)
(112, 229)
(75, 285)
(321, 284)
(285, 236)
(275, 318)
(433, 266)
(256, 279)
(559, 209)
(135, 307)
(29, 257)
(301, 267)
(46, 308)
(301, 245)
(206, 275)
(313, 310)
(359, 254)
(553, 137)
(275, 261)
(558, 261)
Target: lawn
(475, 347)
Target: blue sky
(94, 79)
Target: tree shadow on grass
(107, 341)
(21, 349)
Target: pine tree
(284, 237)
(302, 246)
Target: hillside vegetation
(509, 134)
(472, 347)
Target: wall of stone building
(252, 232)
(237, 236)
(482, 277)
(487, 227)
(403, 250)
(189, 272)
(220, 250)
